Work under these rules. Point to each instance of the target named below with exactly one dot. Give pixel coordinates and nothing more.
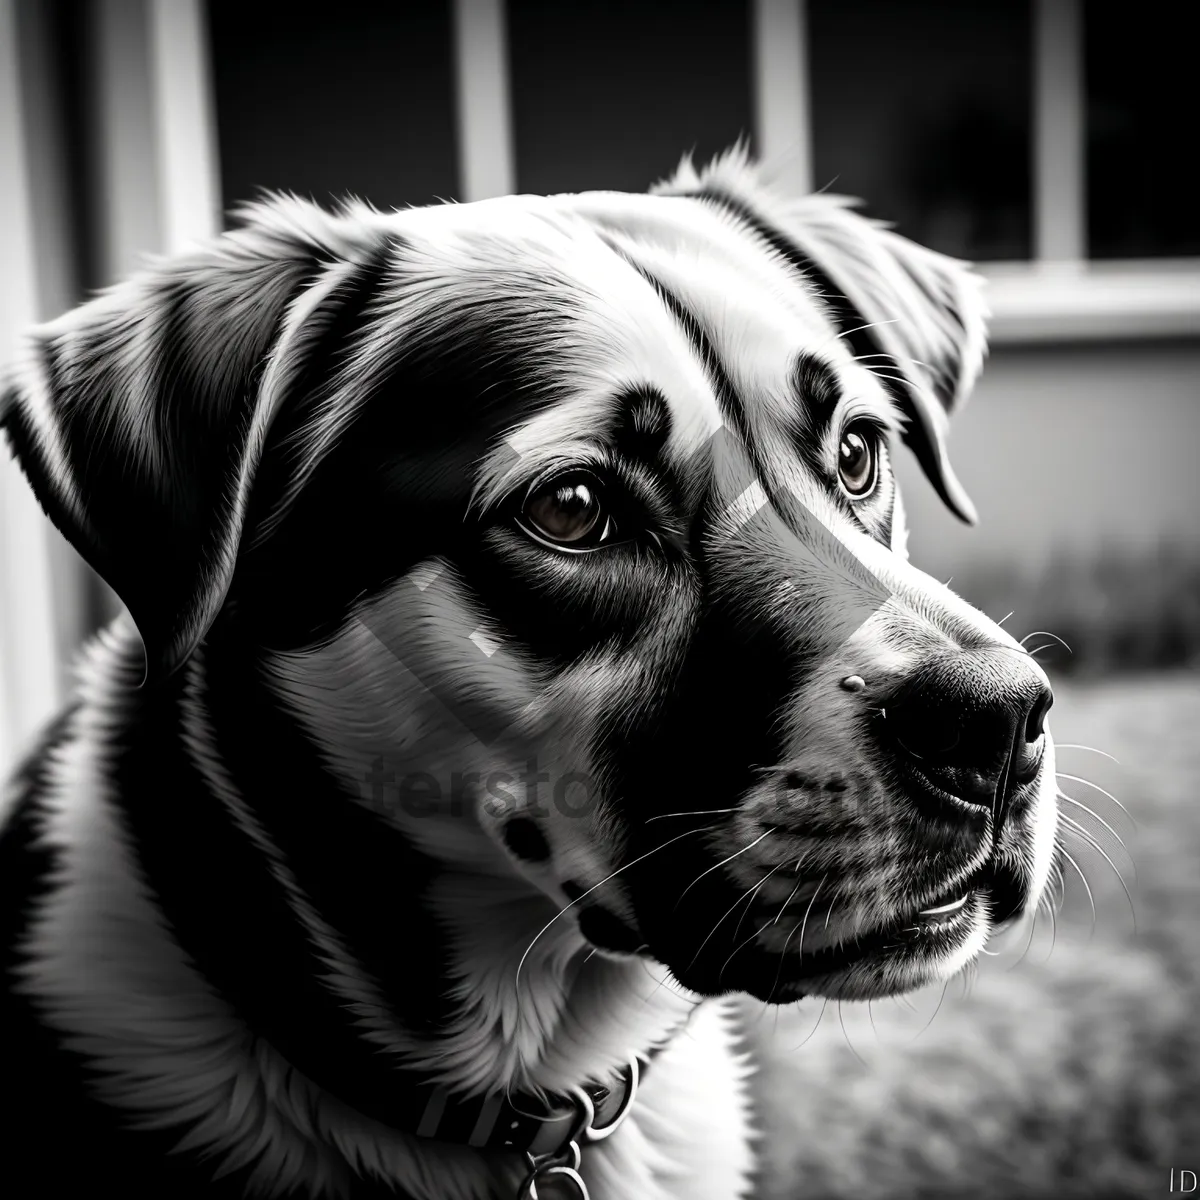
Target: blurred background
(1045, 140)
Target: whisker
(820, 1017)
(1089, 783)
(1096, 816)
(788, 940)
(748, 940)
(1033, 916)
(1028, 941)
(894, 357)
(700, 812)
(936, 1010)
(748, 894)
(663, 981)
(1080, 746)
(1047, 633)
(1095, 845)
(738, 927)
(791, 897)
(1053, 932)
(845, 1034)
(1006, 616)
(716, 866)
(583, 895)
(845, 333)
(1083, 879)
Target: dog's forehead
(657, 295)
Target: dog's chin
(912, 951)
(907, 955)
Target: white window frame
(30, 675)
(156, 190)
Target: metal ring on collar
(529, 1190)
(568, 1156)
(590, 1133)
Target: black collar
(541, 1127)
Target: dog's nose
(973, 726)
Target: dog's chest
(105, 980)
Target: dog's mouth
(897, 956)
(937, 923)
(925, 935)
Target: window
(924, 111)
(1141, 109)
(354, 98)
(610, 94)
(1036, 137)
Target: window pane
(1141, 122)
(611, 94)
(923, 110)
(355, 97)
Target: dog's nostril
(1029, 754)
(1035, 726)
(1029, 760)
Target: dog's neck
(368, 962)
(249, 962)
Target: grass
(1073, 1072)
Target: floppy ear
(140, 417)
(920, 314)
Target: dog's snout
(973, 727)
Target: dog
(521, 661)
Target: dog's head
(578, 515)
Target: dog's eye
(857, 461)
(568, 512)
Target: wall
(1082, 447)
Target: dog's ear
(915, 317)
(140, 417)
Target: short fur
(373, 788)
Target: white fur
(180, 1059)
(505, 1034)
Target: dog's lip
(943, 909)
(947, 914)
(953, 896)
